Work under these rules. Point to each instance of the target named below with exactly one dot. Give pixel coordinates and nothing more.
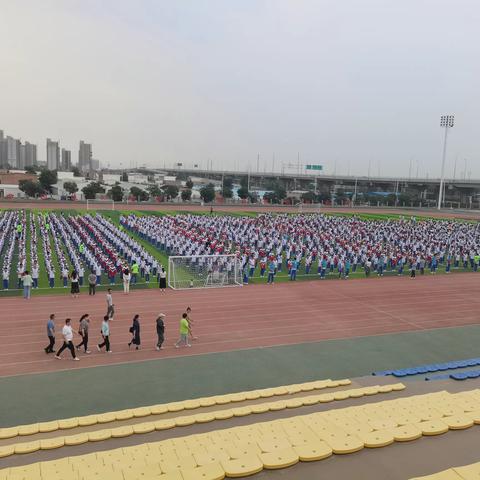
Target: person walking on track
(184, 331)
(135, 331)
(110, 306)
(50, 334)
(160, 324)
(190, 323)
(105, 335)
(83, 332)
(67, 333)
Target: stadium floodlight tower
(446, 122)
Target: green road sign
(314, 167)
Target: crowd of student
(85, 325)
(75, 246)
(316, 244)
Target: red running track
(238, 318)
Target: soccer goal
(204, 271)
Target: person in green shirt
(19, 230)
(135, 271)
(184, 332)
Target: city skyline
(356, 88)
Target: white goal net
(204, 271)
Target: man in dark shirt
(160, 331)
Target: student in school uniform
(35, 275)
(27, 284)
(6, 278)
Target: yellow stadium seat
(121, 432)
(406, 433)
(238, 397)
(294, 403)
(268, 446)
(341, 395)
(458, 422)
(278, 405)
(207, 402)
(150, 472)
(99, 435)
(203, 459)
(276, 391)
(175, 406)
(52, 443)
(124, 414)
(191, 404)
(76, 439)
(9, 432)
(243, 466)
(326, 397)
(270, 392)
(27, 447)
(385, 388)
(204, 417)
(87, 421)
(45, 427)
(221, 399)
(279, 458)
(31, 429)
(241, 411)
(164, 424)
(146, 427)
(260, 408)
(106, 417)
(184, 420)
(377, 439)
(158, 409)
(433, 427)
(7, 450)
(170, 464)
(68, 423)
(140, 412)
(252, 395)
(223, 414)
(344, 445)
(313, 450)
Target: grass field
(162, 257)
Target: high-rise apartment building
(66, 160)
(13, 152)
(30, 154)
(53, 155)
(3, 150)
(85, 156)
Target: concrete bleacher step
(467, 472)
(16, 447)
(140, 412)
(244, 450)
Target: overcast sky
(344, 83)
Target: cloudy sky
(346, 84)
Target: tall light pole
(446, 122)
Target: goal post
(204, 271)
